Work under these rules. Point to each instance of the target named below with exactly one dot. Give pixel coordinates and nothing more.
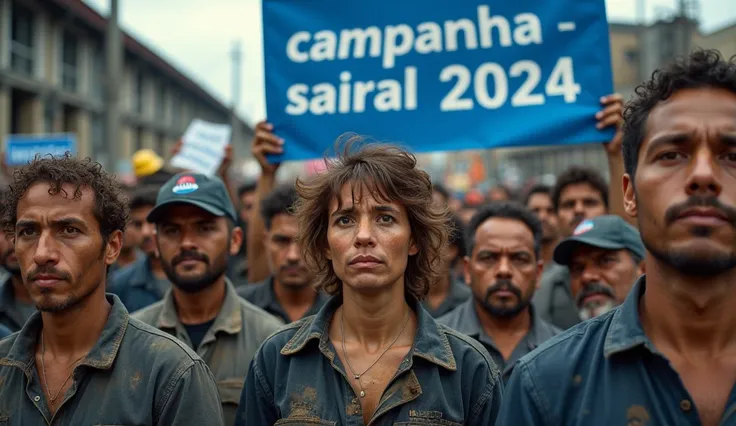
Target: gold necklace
(345, 353)
(43, 370)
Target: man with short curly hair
(82, 360)
(667, 355)
(372, 354)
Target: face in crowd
(540, 203)
(369, 239)
(195, 246)
(581, 194)
(8, 259)
(502, 268)
(284, 255)
(600, 279)
(59, 245)
(681, 184)
(143, 231)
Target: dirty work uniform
(134, 375)
(263, 295)
(227, 347)
(446, 379)
(465, 320)
(603, 371)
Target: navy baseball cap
(608, 232)
(206, 192)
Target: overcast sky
(197, 37)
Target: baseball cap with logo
(205, 192)
(608, 232)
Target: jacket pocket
(230, 390)
(419, 418)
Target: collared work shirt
(12, 314)
(553, 300)
(458, 293)
(136, 286)
(603, 371)
(465, 320)
(134, 375)
(297, 378)
(229, 345)
(263, 295)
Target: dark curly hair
(579, 174)
(111, 207)
(505, 210)
(702, 68)
(388, 173)
(280, 201)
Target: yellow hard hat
(146, 162)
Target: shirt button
(686, 405)
(36, 398)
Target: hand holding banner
(435, 75)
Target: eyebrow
(69, 221)
(378, 208)
(669, 139)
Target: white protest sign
(203, 147)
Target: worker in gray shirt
(16, 305)
(82, 360)
(503, 267)
(196, 235)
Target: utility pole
(237, 134)
(114, 53)
(641, 12)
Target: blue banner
(20, 149)
(435, 75)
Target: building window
(21, 45)
(161, 101)
(139, 93)
(69, 60)
(175, 110)
(99, 148)
(97, 84)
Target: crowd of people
(367, 294)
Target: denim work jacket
(604, 371)
(263, 295)
(135, 285)
(465, 320)
(134, 375)
(297, 378)
(229, 345)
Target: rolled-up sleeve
(256, 402)
(191, 399)
(520, 407)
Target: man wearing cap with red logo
(196, 235)
(605, 257)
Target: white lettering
(487, 23)
(452, 28)
(410, 88)
(345, 78)
(324, 47)
(298, 102)
(429, 39)
(360, 37)
(529, 29)
(324, 99)
(388, 97)
(360, 92)
(390, 49)
(292, 47)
